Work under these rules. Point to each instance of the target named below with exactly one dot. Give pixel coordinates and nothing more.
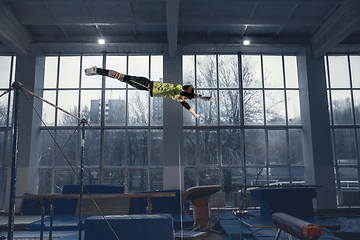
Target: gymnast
(156, 89)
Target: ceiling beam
(213, 15)
(91, 12)
(172, 22)
(131, 15)
(181, 39)
(86, 20)
(12, 34)
(343, 22)
(51, 12)
(242, 1)
(216, 21)
(292, 10)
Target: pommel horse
(295, 227)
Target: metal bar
(278, 234)
(51, 218)
(81, 177)
(13, 167)
(22, 88)
(42, 219)
(240, 230)
(149, 207)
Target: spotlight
(246, 42)
(101, 41)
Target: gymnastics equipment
(135, 227)
(18, 87)
(295, 227)
(294, 201)
(200, 196)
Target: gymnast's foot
(91, 71)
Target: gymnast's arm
(192, 95)
(187, 106)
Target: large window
(7, 76)
(251, 134)
(123, 146)
(343, 82)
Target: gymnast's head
(188, 89)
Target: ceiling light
(246, 42)
(101, 41)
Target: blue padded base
(61, 206)
(187, 221)
(36, 234)
(225, 215)
(134, 227)
(71, 222)
(270, 233)
(188, 234)
(60, 223)
(72, 237)
(231, 228)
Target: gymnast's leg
(104, 72)
(140, 83)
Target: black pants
(141, 83)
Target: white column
(318, 159)
(29, 72)
(173, 130)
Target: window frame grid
(355, 127)
(242, 126)
(101, 127)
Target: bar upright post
(13, 166)
(81, 177)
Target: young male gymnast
(156, 89)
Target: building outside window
(343, 84)
(251, 134)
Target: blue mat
(187, 221)
(31, 206)
(71, 222)
(349, 227)
(226, 215)
(134, 227)
(36, 234)
(294, 201)
(60, 223)
(189, 234)
(72, 237)
(231, 229)
(270, 233)
(159, 204)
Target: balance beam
(295, 226)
